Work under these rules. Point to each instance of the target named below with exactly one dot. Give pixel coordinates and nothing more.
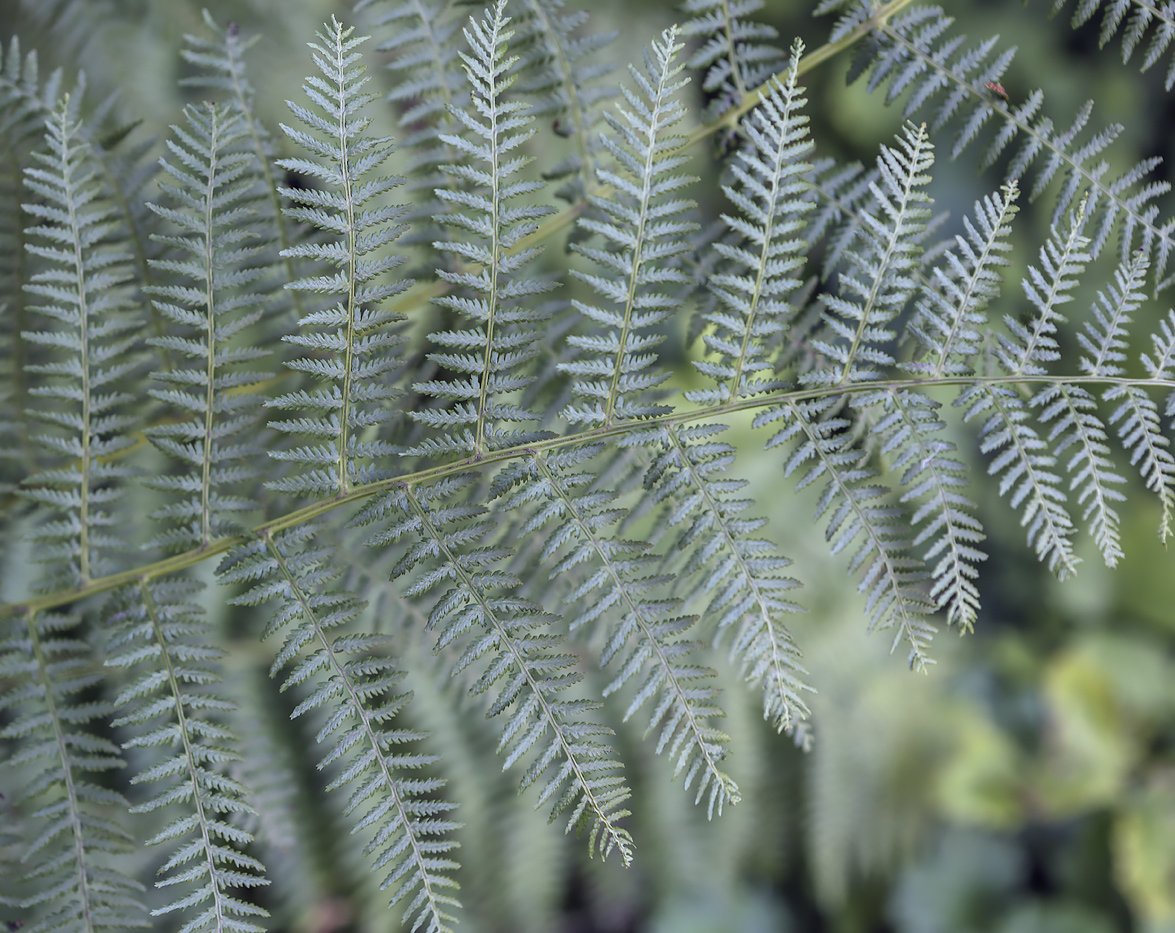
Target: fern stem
(170, 565)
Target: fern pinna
(501, 456)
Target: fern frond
(444, 549)
(212, 301)
(83, 280)
(488, 361)
(351, 679)
(770, 194)
(913, 51)
(352, 344)
(173, 704)
(735, 51)
(740, 574)
(1133, 19)
(1023, 459)
(73, 858)
(879, 280)
(648, 634)
(950, 323)
(891, 579)
(642, 226)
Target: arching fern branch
(1135, 21)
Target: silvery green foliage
(496, 459)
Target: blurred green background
(1026, 785)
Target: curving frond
(480, 609)
(212, 301)
(1136, 21)
(354, 684)
(351, 343)
(172, 704)
(488, 362)
(83, 281)
(73, 860)
(914, 51)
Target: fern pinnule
(73, 860)
(561, 75)
(352, 342)
(214, 261)
(83, 279)
(349, 677)
(157, 630)
(481, 611)
(489, 361)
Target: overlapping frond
(213, 299)
(562, 75)
(351, 343)
(1136, 21)
(81, 279)
(158, 632)
(915, 52)
(349, 679)
(487, 363)
(646, 628)
(479, 606)
(735, 51)
(613, 378)
(51, 712)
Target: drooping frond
(1023, 459)
(1152, 21)
(739, 577)
(73, 858)
(81, 278)
(647, 635)
(172, 704)
(212, 300)
(1135, 416)
(736, 51)
(489, 360)
(770, 196)
(613, 377)
(480, 607)
(350, 679)
(914, 50)
(562, 74)
(351, 344)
